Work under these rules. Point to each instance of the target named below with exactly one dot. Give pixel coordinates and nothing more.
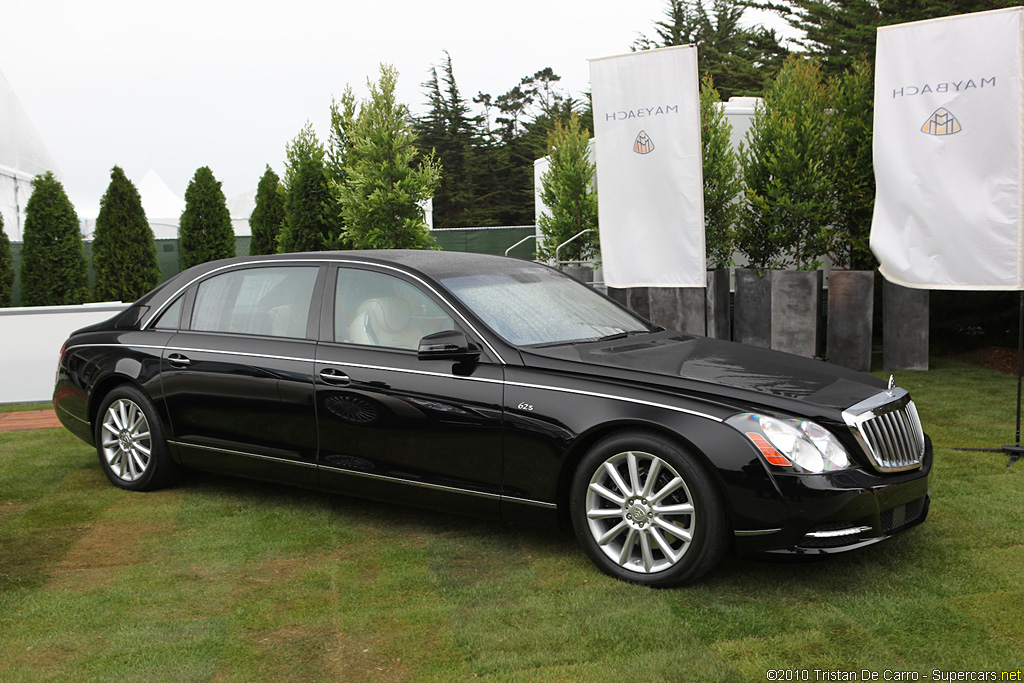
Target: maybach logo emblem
(643, 143)
(941, 122)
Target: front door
(393, 427)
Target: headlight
(799, 444)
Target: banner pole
(1015, 451)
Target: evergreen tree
(268, 215)
(205, 232)
(790, 194)
(839, 32)
(721, 177)
(568, 192)
(6, 268)
(852, 169)
(740, 60)
(380, 199)
(305, 145)
(523, 117)
(449, 131)
(54, 271)
(309, 223)
(312, 212)
(123, 250)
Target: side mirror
(447, 345)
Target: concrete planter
(719, 318)
(581, 273)
(752, 319)
(678, 308)
(851, 309)
(904, 327)
(638, 300)
(796, 312)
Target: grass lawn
(222, 579)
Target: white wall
(30, 341)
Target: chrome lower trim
(756, 532)
(376, 477)
(255, 456)
(527, 501)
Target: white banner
(650, 192)
(947, 150)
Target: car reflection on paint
(497, 387)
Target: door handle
(178, 361)
(335, 377)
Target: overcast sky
(173, 86)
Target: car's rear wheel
(130, 443)
(647, 511)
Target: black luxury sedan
(493, 386)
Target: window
(536, 305)
(381, 310)
(170, 319)
(268, 301)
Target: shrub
(268, 216)
(6, 268)
(568, 192)
(205, 232)
(54, 271)
(123, 251)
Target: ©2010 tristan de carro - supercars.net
(492, 386)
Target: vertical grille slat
(892, 436)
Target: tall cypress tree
(205, 232)
(54, 271)
(268, 216)
(6, 268)
(123, 251)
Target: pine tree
(6, 268)
(449, 132)
(740, 60)
(54, 271)
(268, 216)
(568, 192)
(205, 232)
(721, 177)
(123, 250)
(381, 195)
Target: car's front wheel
(647, 511)
(130, 443)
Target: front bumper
(843, 511)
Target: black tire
(130, 442)
(662, 531)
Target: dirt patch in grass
(994, 358)
(105, 547)
(358, 657)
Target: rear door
(238, 378)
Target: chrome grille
(889, 431)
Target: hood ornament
(892, 385)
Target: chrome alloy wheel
(127, 445)
(640, 512)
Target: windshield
(538, 306)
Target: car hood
(735, 370)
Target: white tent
(22, 157)
(163, 208)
